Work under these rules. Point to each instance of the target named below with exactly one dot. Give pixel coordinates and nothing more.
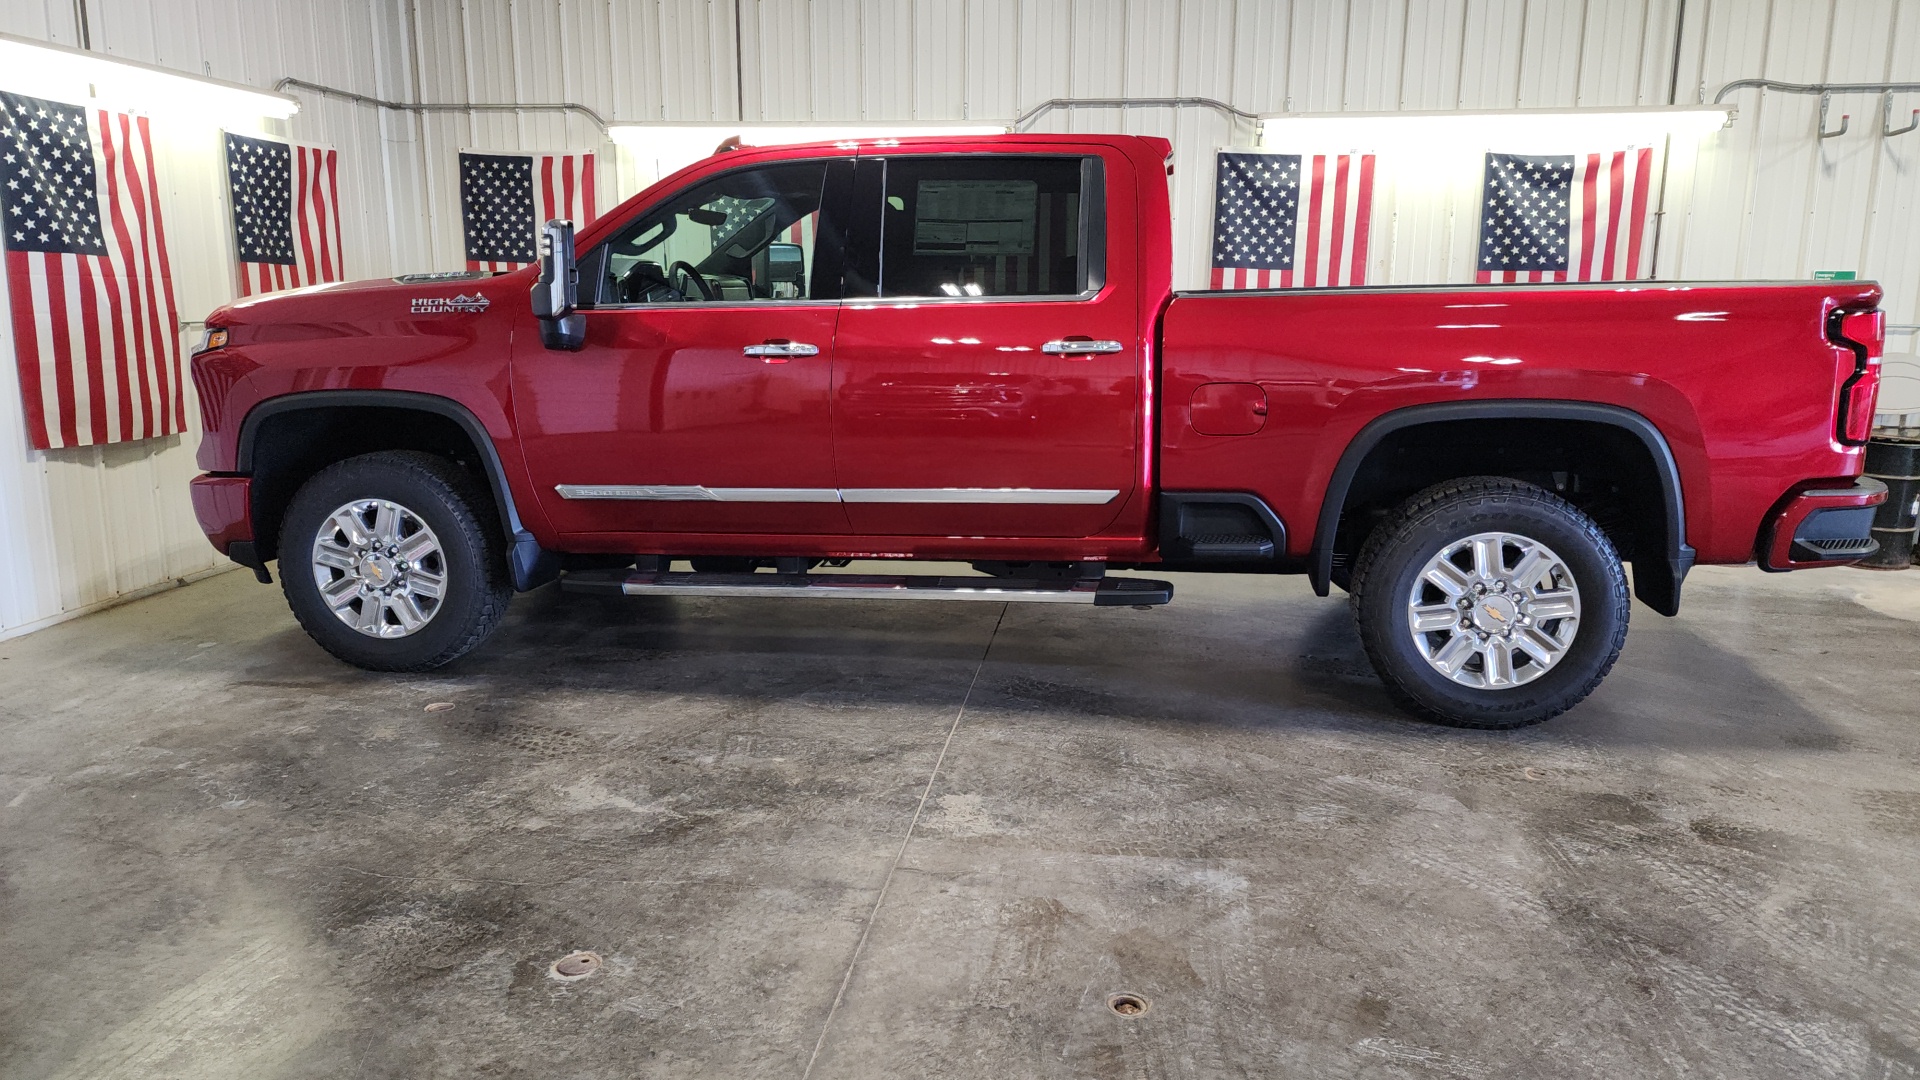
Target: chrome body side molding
(696, 493)
(982, 496)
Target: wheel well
(1607, 471)
(288, 447)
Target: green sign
(1833, 275)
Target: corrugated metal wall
(1763, 199)
(83, 527)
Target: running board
(1103, 592)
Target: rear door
(989, 382)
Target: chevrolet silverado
(781, 359)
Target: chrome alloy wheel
(379, 568)
(1494, 610)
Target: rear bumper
(224, 506)
(1822, 524)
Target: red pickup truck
(970, 349)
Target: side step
(1230, 547)
(1103, 592)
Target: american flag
(95, 329)
(506, 198)
(802, 231)
(285, 199)
(1565, 218)
(1287, 220)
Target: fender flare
(1657, 585)
(530, 564)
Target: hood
(458, 292)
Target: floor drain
(440, 706)
(575, 966)
(1127, 1004)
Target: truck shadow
(1672, 687)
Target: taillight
(1863, 333)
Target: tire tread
(470, 504)
(1421, 509)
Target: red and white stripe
(315, 213)
(562, 188)
(96, 336)
(1330, 232)
(802, 231)
(1607, 225)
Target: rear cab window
(1000, 226)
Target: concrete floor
(834, 839)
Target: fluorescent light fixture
(660, 149)
(657, 139)
(79, 77)
(1542, 131)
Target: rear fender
(1656, 582)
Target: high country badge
(450, 305)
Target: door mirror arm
(556, 292)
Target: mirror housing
(556, 292)
(786, 271)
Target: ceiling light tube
(1511, 130)
(79, 77)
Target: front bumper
(1823, 524)
(224, 506)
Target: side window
(742, 236)
(986, 226)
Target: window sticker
(975, 217)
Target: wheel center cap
(1494, 614)
(378, 569)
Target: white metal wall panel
(1490, 54)
(1430, 64)
(1892, 222)
(1153, 55)
(79, 528)
(1315, 48)
(993, 47)
(1376, 44)
(1044, 62)
(937, 66)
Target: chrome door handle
(781, 349)
(1080, 347)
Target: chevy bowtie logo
(450, 305)
(1494, 613)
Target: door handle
(1079, 346)
(776, 351)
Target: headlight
(214, 337)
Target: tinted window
(746, 235)
(982, 226)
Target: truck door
(700, 402)
(987, 376)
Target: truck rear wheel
(388, 563)
(1486, 602)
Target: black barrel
(1895, 462)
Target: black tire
(1399, 549)
(472, 557)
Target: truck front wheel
(388, 563)
(1486, 602)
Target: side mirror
(556, 292)
(786, 271)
